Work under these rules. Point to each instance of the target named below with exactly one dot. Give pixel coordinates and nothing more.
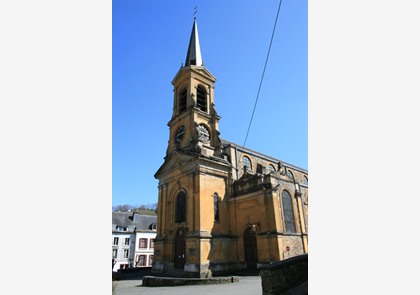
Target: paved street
(247, 285)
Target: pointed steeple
(194, 53)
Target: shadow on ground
(131, 274)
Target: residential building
(127, 228)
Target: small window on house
(182, 100)
(246, 163)
(150, 260)
(271, 168)
(121, 228)
(202, 98)
(216, 207)
(125, 253)
(142, 243)
(141, 260)
(289, 219)
(127, 242)
(305, 180)
(152, 243)
(114, 253)
(115, 241)
(180, 208)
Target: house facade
(128, 228)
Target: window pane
(288, 212)
(180, 207)
(143, 243)
(246, 162)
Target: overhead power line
(262, 76)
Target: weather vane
(195, 12)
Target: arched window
(271, 168)
(182, 100)
(246, 162)
(202, 98)
(289, 219)
(180, 207)
(216, 206)
(305, 180)
(290, 174)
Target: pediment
(173, 161)
(203, 71)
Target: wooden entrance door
(250, 246)
(179, 249)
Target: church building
(221, 207)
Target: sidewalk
(247, 285)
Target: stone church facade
(221, 207)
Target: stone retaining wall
(289, 276)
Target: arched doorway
(179, 261)
(250, 247)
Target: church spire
(194, 53)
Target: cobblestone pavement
(247, 285)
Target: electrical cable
(262, 77)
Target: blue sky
(149, 43)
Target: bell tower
(194, 176)
(194, 123)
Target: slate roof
(194, 52)
(133, 221)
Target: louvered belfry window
(183, 101)
(202, 98)
(289, 219)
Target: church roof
(194, 52)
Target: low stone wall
(289, 276)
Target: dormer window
(121, 228)
(202, 98)
(182, 100)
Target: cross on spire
(195, 12)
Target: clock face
(203, 133)
(179, 134)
